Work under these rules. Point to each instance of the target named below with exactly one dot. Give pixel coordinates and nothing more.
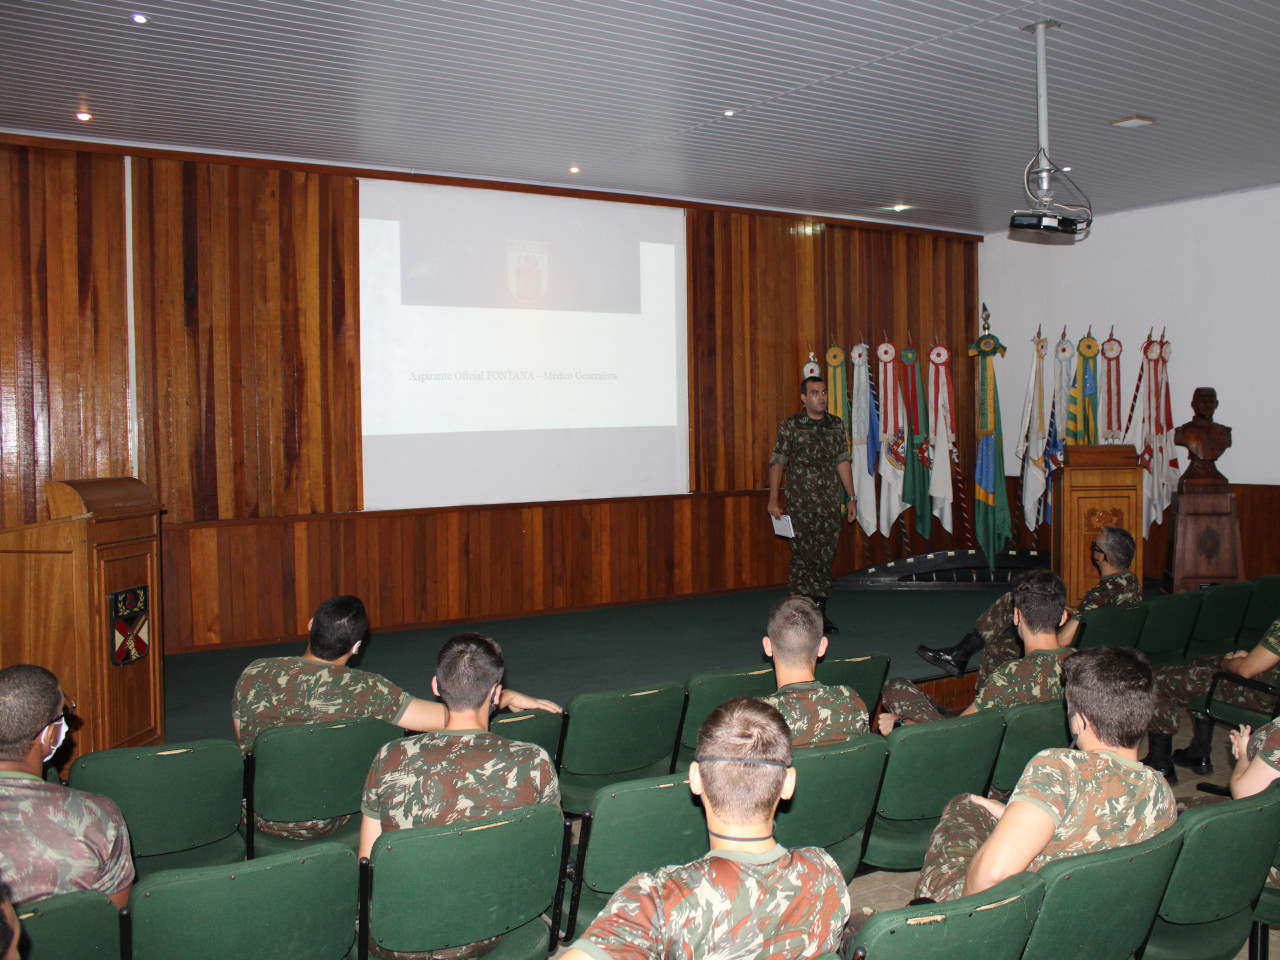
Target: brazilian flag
(993, 524)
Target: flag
(838, 404)
(1082, 417)
(1152, 434)
(864, 427)
(1033, 433)
(992, 522)
(1063, 352)
(915, 488)
(1110, 418)
(892, 439)
(942, 439)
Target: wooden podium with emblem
(80, 596)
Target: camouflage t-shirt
(1035, 678)
(818, 715)
(810, 449)
(782, 903)
(1097, 801)
(1120, 589)
(1265, 743)
(57, 840)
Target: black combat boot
(1196, 757)
(1160, 756)
(828, 627)
(954, 660)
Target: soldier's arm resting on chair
(1021, 833)
(1256, 661)
(513, 700)
(370, 831)
(1249, 776)
(1067, 632)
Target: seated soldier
(1067, 801)
(318, 687)
(462, 772)
(817, 715)
(748, 897)
(994, 633)
(52, 839)
(1039, 609)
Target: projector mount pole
(1043, 168)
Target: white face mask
(62, 735)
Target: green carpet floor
(560, 655)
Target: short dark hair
(743, 729)
(7, 933)
(338, 625)
(795, 631)
(30, 700)
(467, 669)
(804, 384)
(1040, 597)
(1114, 689)
(1117, 543)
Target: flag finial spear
(1037, 339)
(1112, 334)
(1064, 332)
(1162, 330)
(1089, 332)
(986, 318)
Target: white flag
(1034, 433)
(942, 438)
(862, 423)
(892, 441)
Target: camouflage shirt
(810, 450)
(1265, 742)
(1097, 801)
(818, 715)
(57, 840)
(1121, 589)
(778, 904)
(1035, 678)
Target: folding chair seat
(1167, 630)
(1124, 885)
(617, 735)
(431, 888)
(1028, 729)
(865, 674)
(1111, 626)
(835, 796)
(290, 906)
(1263, 610)
(310, 771)
(84, 925)
(929, 763)
(1221, 616)
(539, 727)
(992, 925)
(703, 692)
(181, 801)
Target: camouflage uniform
(777, 905)
(1035, 678)
(57, 840)
(1001, 638)
(818, 715)
(810, 450)
(1178, 685)
(437, 778)
(283, 691)
(1097, 801)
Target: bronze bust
(1205, 441)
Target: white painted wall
(1208, 270)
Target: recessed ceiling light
(573, 169)
(899, 207)
(1066, 169)
(1134, 121)
(139, 18)
(728, 113)
(84, 115)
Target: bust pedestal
(1204, 546)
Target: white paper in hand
(782, 527)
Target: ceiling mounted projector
(1047, 217)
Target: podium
(1097, 486)
(80, 596)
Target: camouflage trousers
(1000, 637)
(817, 534)
(904, 699)
(964, 827)
(1177, 686)
(294, 829)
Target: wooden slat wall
(64, 379)
(248, 339)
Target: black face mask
(1075, 737)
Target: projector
(1046, 221)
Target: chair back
(1168, 627)
(1111, 626)
(539, 727)
(290, 906)
(84, 925)
(992, 925)
(1028, 729)
(835, 796)
(1222, 611)
(703, 692)
(1080, 889)
(865, 674)
(1263, 610)
(431, 888)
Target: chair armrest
(1258, 685)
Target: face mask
(62, 734)
(1075, 737)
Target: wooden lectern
(1096, 487)
(80, 595)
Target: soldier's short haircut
(338, 625)
(30, 700)
(744, 749)
(1114, 689)
(467, 669)
(1117, 543)
(804, 384)
(795, 631)
(1040, 597)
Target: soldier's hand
(993, 807)
(513, 701)
(850, 516)
(885, 723)
(775, 510)
(1240, 741)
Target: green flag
(915, 485)
(993, 525)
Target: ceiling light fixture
(573, 169)
(1134, 121)
(728, 113)
(899, 207)
(139, 18)
(84, 115)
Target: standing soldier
(813, 448)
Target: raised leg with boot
(954, 660)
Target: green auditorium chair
(629, 827)
(617, 735)
(432, 888)
(703, 692)
(1167, 630)
(1111, 626)
(290, 906)
(1263, 610)
(992, 925)
(1221, 616)
(1028, 729)
(1123, 885)
(1266, 914)
(1222, 711)
(835, 795)
(311, 771)
(84, 925)
(181, 801)
(929, 763)
(1227, 849)
(865, 674)
(540, 727)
